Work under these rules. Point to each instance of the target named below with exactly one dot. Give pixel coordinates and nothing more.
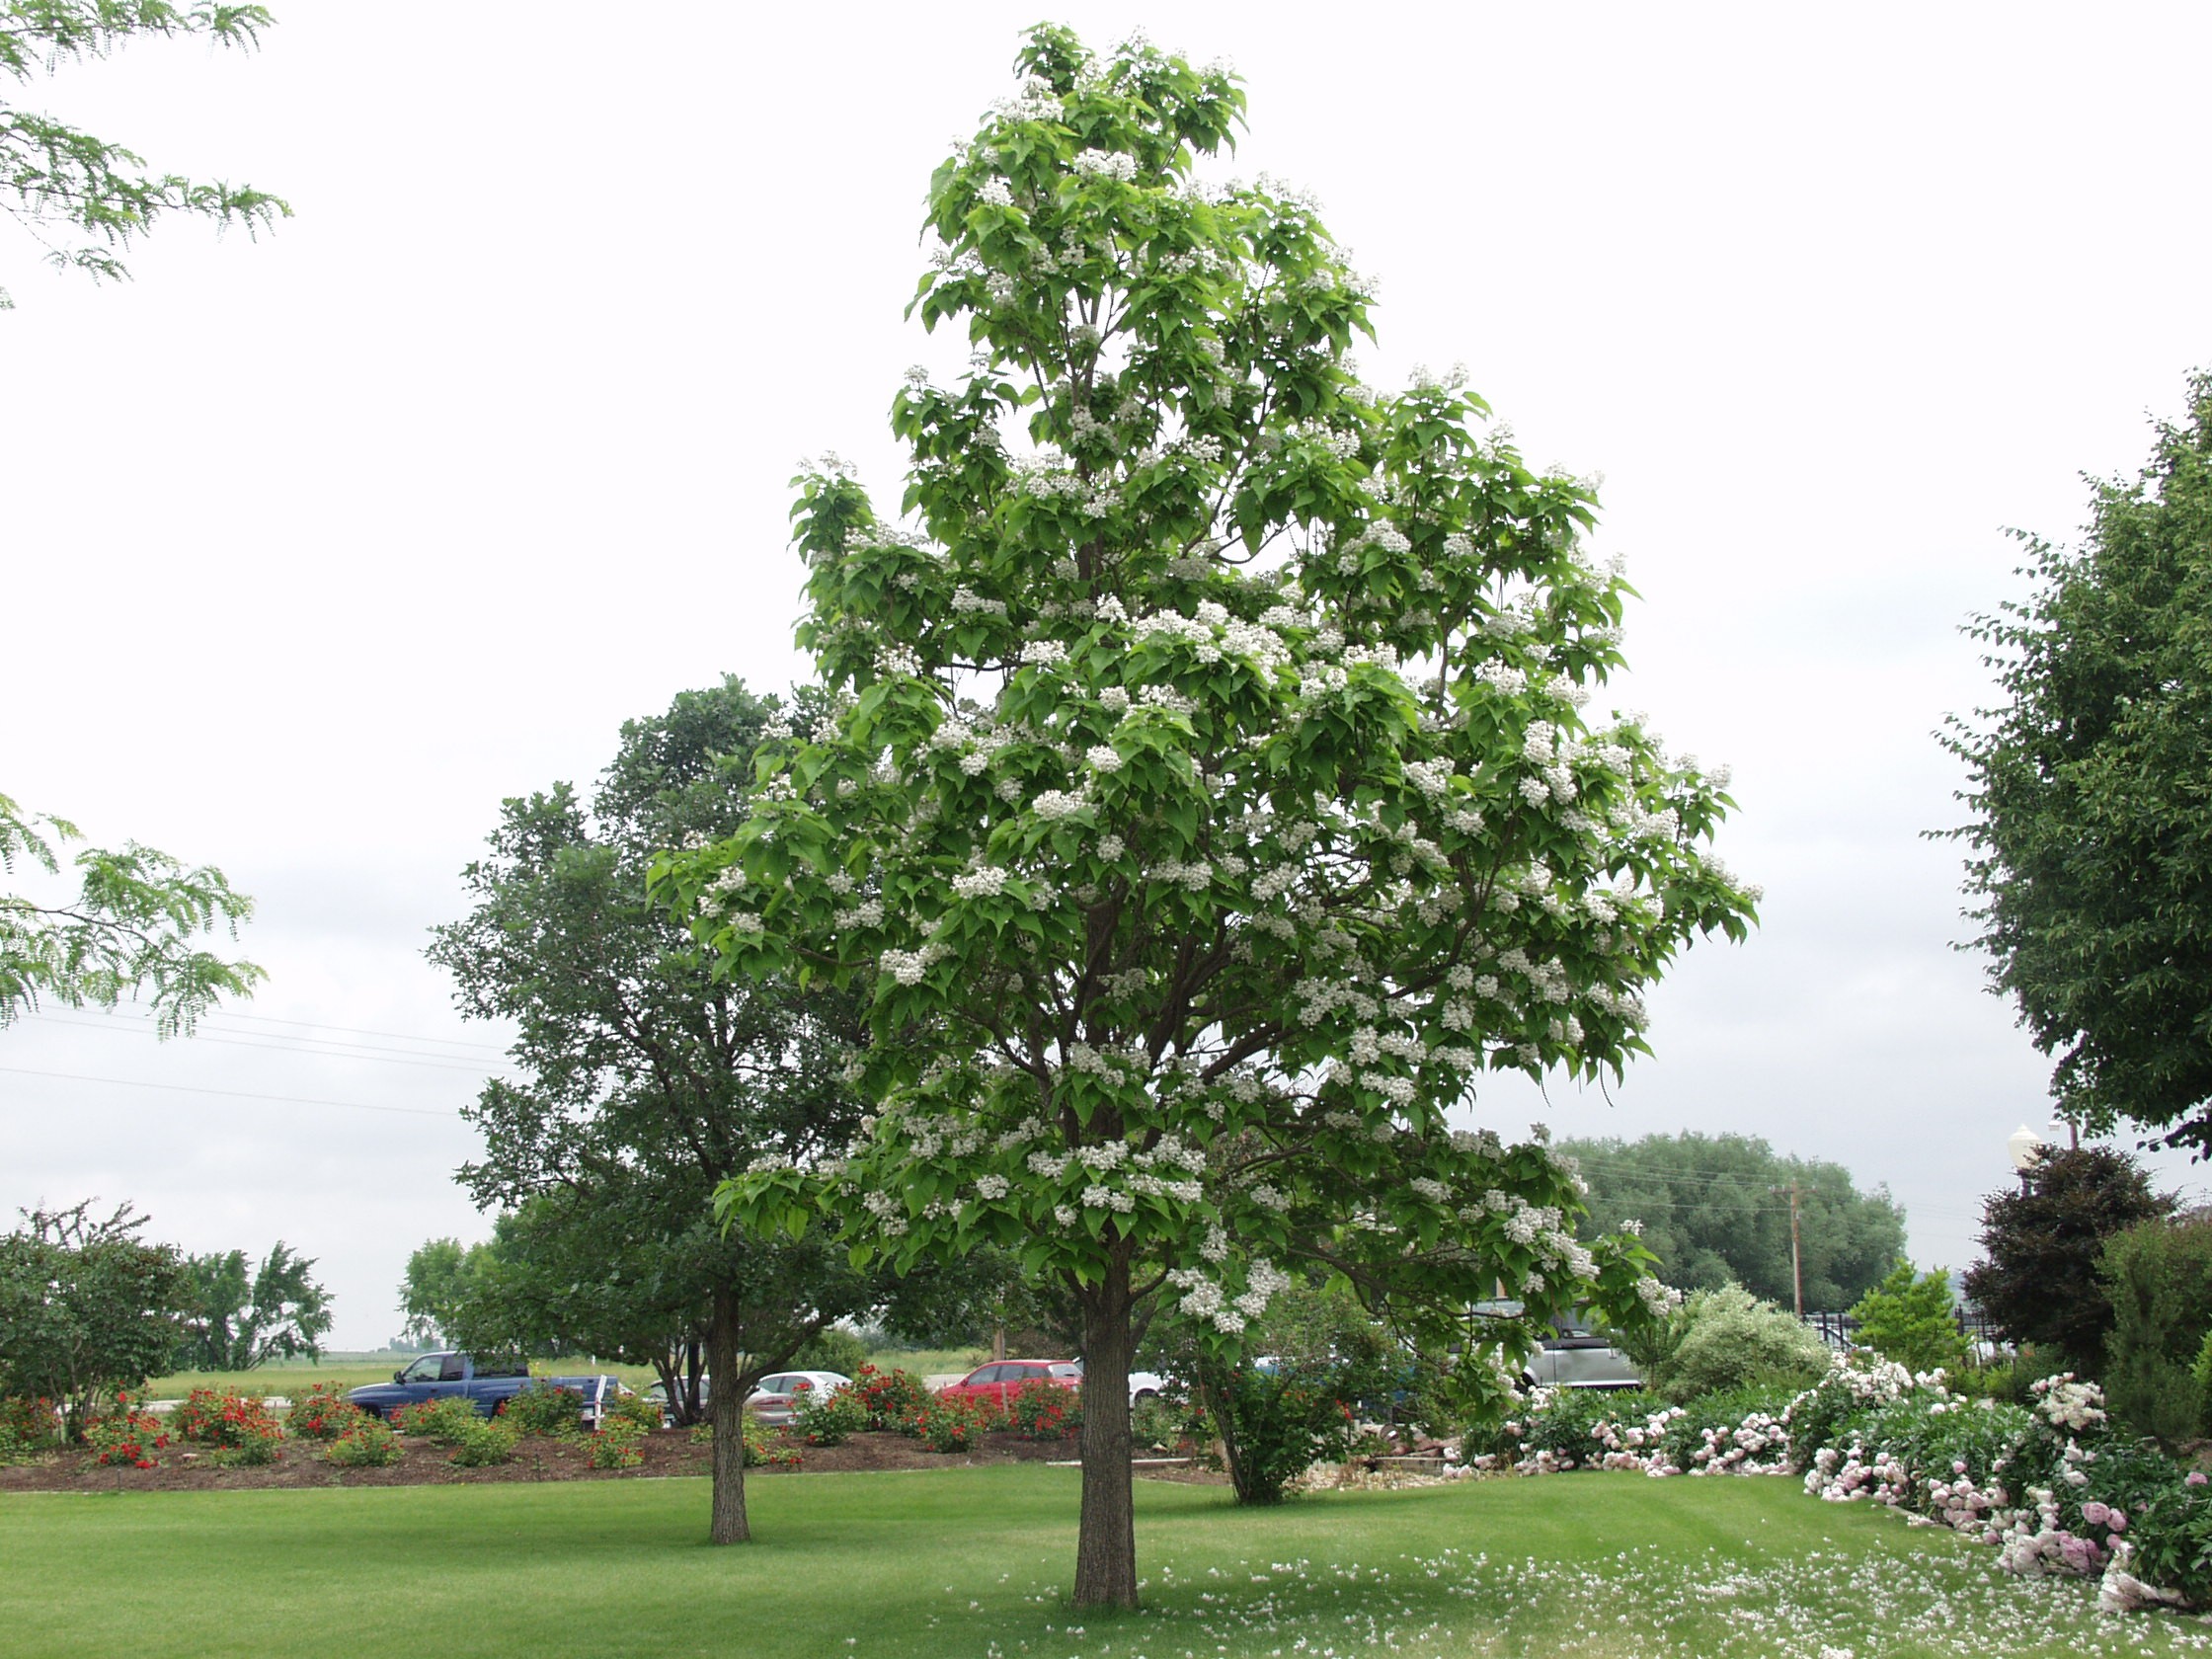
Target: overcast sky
(317, 548)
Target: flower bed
(2053, 1487)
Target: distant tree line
(1715, 1211)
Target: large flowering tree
(1208, 801)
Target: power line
(324, 1050)
(359, 1031)
(232, 1094)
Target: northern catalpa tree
(1208, 798)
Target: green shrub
(320, 1411)
(542, 1409)
(1041, 1410)
(1276, 1423)
(1909, 1320)
(443, 1422)
(364, 1442)
(2003, 1381)
(483, 1442)
(1723, 1339)
(953, 1425)
(831, 1349)
(829, 1416)
(2158, 1278)
(615, 1447)
(895, 1399)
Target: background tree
(64, 184)
(2092, 838)
(646, 1079)
(1911, 1318)
(87, 1307)
(2158, 1276)
(238, 1317)
(2043, 1241)
(435, 1284)
(129, 931)
(1207, 803)
(1715, 1209)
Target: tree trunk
(1106, 1535)
(727, 1399)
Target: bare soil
(667, 1451)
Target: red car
(996, 1384)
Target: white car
(776, 1400)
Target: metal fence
(1841, 1332)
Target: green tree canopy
(239, 1317)
(1910, 1319)
(131, 929)
(1205, 802)
(87, 1307)
(82, 197)
(2090, 788)
(1714, 1208)
(432, 1288)
(645, 1080)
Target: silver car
(1578, 1356)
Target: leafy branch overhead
(129, 931)
(78, 195)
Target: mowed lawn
(977, 1561)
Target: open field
(976, 1561)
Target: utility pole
(1796, 1247)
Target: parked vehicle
(1142, 1384)
(775, 1403)
(999, 1381)
(444, 1375)
(1576, 1356)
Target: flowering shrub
(1041, 1410)
(482, 1442)
(2053, 1488)
(827, 1416)
(541, 1409)
(892, 1398)
(28, 1427)
(129, 1433)
(362, 1442)
(240, 1427)
(629, 1408)
(440, 1421)
(320, 1411)
(1723, 1339)
(759, 1450)
(615, 1447)
(953, 1425)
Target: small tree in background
(238, 1317)
(2158, 1276)
(2043, 1241)
(1910, 1319)
(1206, 804)
(87, 1307)
(434, 1288)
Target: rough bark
(726, 1401)
(1106, 1533)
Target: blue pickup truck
(440, 1375)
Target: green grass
(976, 1561)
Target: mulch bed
(667, 1451)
